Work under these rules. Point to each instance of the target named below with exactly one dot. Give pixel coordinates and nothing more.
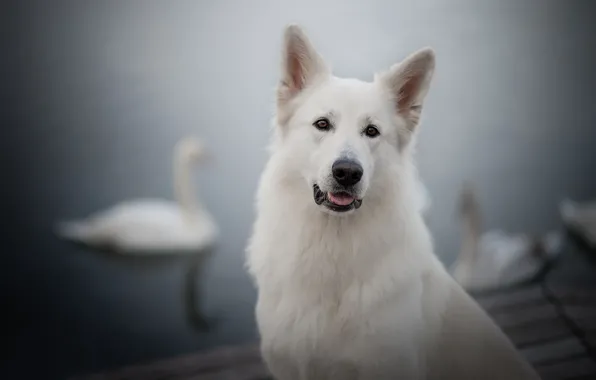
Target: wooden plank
(511, 299)
(591, 339)
(583, 367)
(524, 315)
(214, 361)
(254, 371)
(550, 352)
(583, 317)
(573, 295)
(537, 332)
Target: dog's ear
(301, 65)
(408, 83)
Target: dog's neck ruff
(292, 234)
(320, 256)
(381, 218)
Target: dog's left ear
(408, 83)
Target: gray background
(97, 93)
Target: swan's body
(146, 226)
(580, 217)
(497, 259)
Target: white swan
(495, 258)
(580, 217)
(149, 226)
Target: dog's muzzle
(340, 201)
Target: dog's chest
(306, 339)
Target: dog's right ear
(301, 66)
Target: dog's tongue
(341, 199)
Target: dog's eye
(371, 131)
(322, 124)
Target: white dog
(349, 286)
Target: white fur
(495, 258)
(359, 295)
(150, 226)
(425, 200)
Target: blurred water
(101, 91)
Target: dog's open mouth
(339, 201)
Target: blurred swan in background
(496, 258)
(581, 218)
(150, 226)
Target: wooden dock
(554, 327)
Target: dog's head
(344, 135)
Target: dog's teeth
(357, 203)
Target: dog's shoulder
(458, 352)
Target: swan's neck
(184, 189)
(471, 233)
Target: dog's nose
(347, 172)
